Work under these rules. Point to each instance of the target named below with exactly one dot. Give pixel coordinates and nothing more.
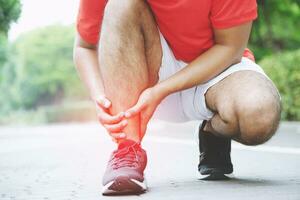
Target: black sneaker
(125, 170)
(214, 157)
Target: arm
(86, 62)
(228, 49)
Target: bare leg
(129, 56)
(247, 108)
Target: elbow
(238, 59)
(75, 51)
(237, 54)
(234, 52)
(78, 57)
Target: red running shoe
(125, 170)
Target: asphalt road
(66, 162)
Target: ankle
(119, 141)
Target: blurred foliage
(39, 70)
(277, 27)
(284, 70)
(9, 12)
(3, 51)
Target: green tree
(9, 12)
(284, 70)
(40, 70)
(277, 27)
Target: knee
(119, 12)
(258, 118)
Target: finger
(106, 118)
(115, 128)
(136, 109)
(102, 101)
(117, 136)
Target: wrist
(161, 91)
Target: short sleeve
(229, 13)
(89, 19)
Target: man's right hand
(114, 124)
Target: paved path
(62, 162)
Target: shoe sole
(215, 170)
(216, 177)
(211, 173)
(124, 186)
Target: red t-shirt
(187, 25)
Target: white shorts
(188, 105)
